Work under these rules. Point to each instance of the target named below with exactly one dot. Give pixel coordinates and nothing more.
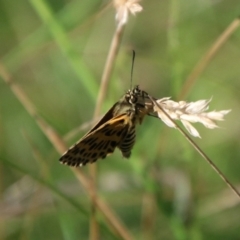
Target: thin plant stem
(221, 201)
(203, 63)
(108, 68)
(83, 127)
(197, 148)
(59, 145)
(148, 218)
(173, 45)
(109, 65)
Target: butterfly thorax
(136, 107)
(139, 102)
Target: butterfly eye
(127, 97)
(136, 90)
(133, 99)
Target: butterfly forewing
(98, 143)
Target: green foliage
(56, 51)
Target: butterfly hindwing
(127, 142)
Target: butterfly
(115, 129)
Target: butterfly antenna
(133, 58)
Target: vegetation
(53, 55)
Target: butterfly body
(115, 129)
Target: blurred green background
(56, 51)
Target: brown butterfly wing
(108, 116)
(98, 143)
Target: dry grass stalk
(60, 146)
(203, 63)
(189, 112)
(123, 8)
(160, 110)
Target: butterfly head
(133, 96)
(139, 102)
